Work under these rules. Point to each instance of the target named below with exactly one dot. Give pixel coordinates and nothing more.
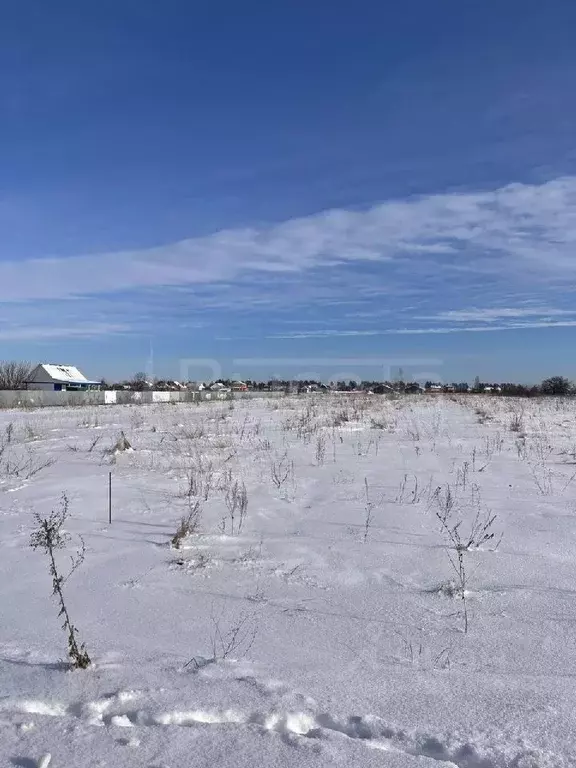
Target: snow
(308, 638)
(65, 373)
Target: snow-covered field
(324, 628)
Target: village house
(59, 378)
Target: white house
(59, 378)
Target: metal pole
(110, 498)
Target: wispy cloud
(443, 264)
(519, 229)
(482, 328)
(320, 334)
(317, 334)
(39, 333)
(492, 314)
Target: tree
(139, 381)
(14, 374)
(556, 385)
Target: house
(59, 378)
(218, 386)
(239, 386)
(413, 388)
(168, 385)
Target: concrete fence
(44, 399)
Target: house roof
(68, 374)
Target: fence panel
(37, 398)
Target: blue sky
(289, 188)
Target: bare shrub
(21, 462)
(14, 374)
(8, 434)
(199, 562)
(521, 448)
(251, 555)
(411, 492)
(188, 525)
(281, 470)
(199, 478)
(541, 447)
(369, 510)
(94, 443)
(243, 428)
(416, 653)
(517, 422)
(89, 421)
(493, 444)
(50, 537)
(449, 515)
(320, 449)
(237, 502)
(234, 641)
(462, 475)
(30, 433)
(480, 531)
(258, 595)
(546, 479)
(483, 415)
(340, 418)
(413, 431)
(34, 465)
(192, 432)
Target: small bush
(517, 422)
(189, 525)
(237, 502)
(50, 537)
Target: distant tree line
(14, 374)
(556, 385)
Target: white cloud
(518, 229)
(492, 314)
(432, 330)
(318, 334)
(89, 330)
(483, 328)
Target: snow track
(127, 709)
